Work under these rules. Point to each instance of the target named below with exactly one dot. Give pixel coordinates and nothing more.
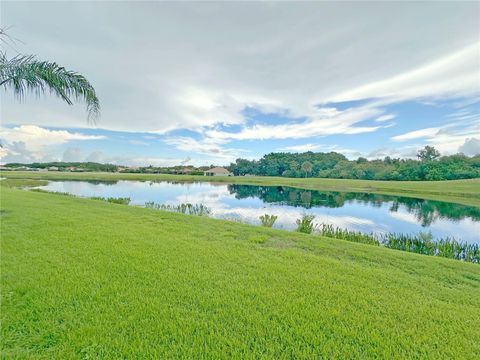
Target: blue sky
(205, 83)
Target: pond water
(355, 211)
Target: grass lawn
(88, 279)
(465, 192)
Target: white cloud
(319, 123)
(27, 143)
(448, 139)
(138, 142)
(207, 146)
(409, 152)
(303, 147)
(349, 153)
(37, 137)
(471, 146)
(417, 134)
(72, 154)
(135, 160)
(385, 117)
(454, 75)
(204, 64)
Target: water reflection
(354, 211)
(425, 211)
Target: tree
(428, 153)
(24, 73)
(307, 167)
(334, 165)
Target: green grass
(90, 279)
(20, 183)
(465, 192)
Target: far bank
(465, 192)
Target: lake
(355, 211)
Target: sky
(205, 83)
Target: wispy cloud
(303, 147)
(448, 138)
(417, 134)
(138, 142)
(318, 123)
(385, 117)
(453, 75)
(207, 146)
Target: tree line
(430, 165)
(65, 166)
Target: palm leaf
(25, 74)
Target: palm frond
(24, 74)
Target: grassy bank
(89, 279)
(465, 192)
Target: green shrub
(268, 220)
(305, 224)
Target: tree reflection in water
(425, 211)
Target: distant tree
(334, 165)
(428, 153)
(307, 167)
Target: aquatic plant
(185, 208)
(421, 243)
(268, 220)
(52, 192)
(331, 231)
(305, 224)
(119, 200)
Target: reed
(331, 231)
(186, 208)
(421, 243)
(305, 224)
(268, 220)
(119, 200)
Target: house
(183, 171)
(53, 168)
(22, 168)
(217, 171)
(186, 170)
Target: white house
(217, 171)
